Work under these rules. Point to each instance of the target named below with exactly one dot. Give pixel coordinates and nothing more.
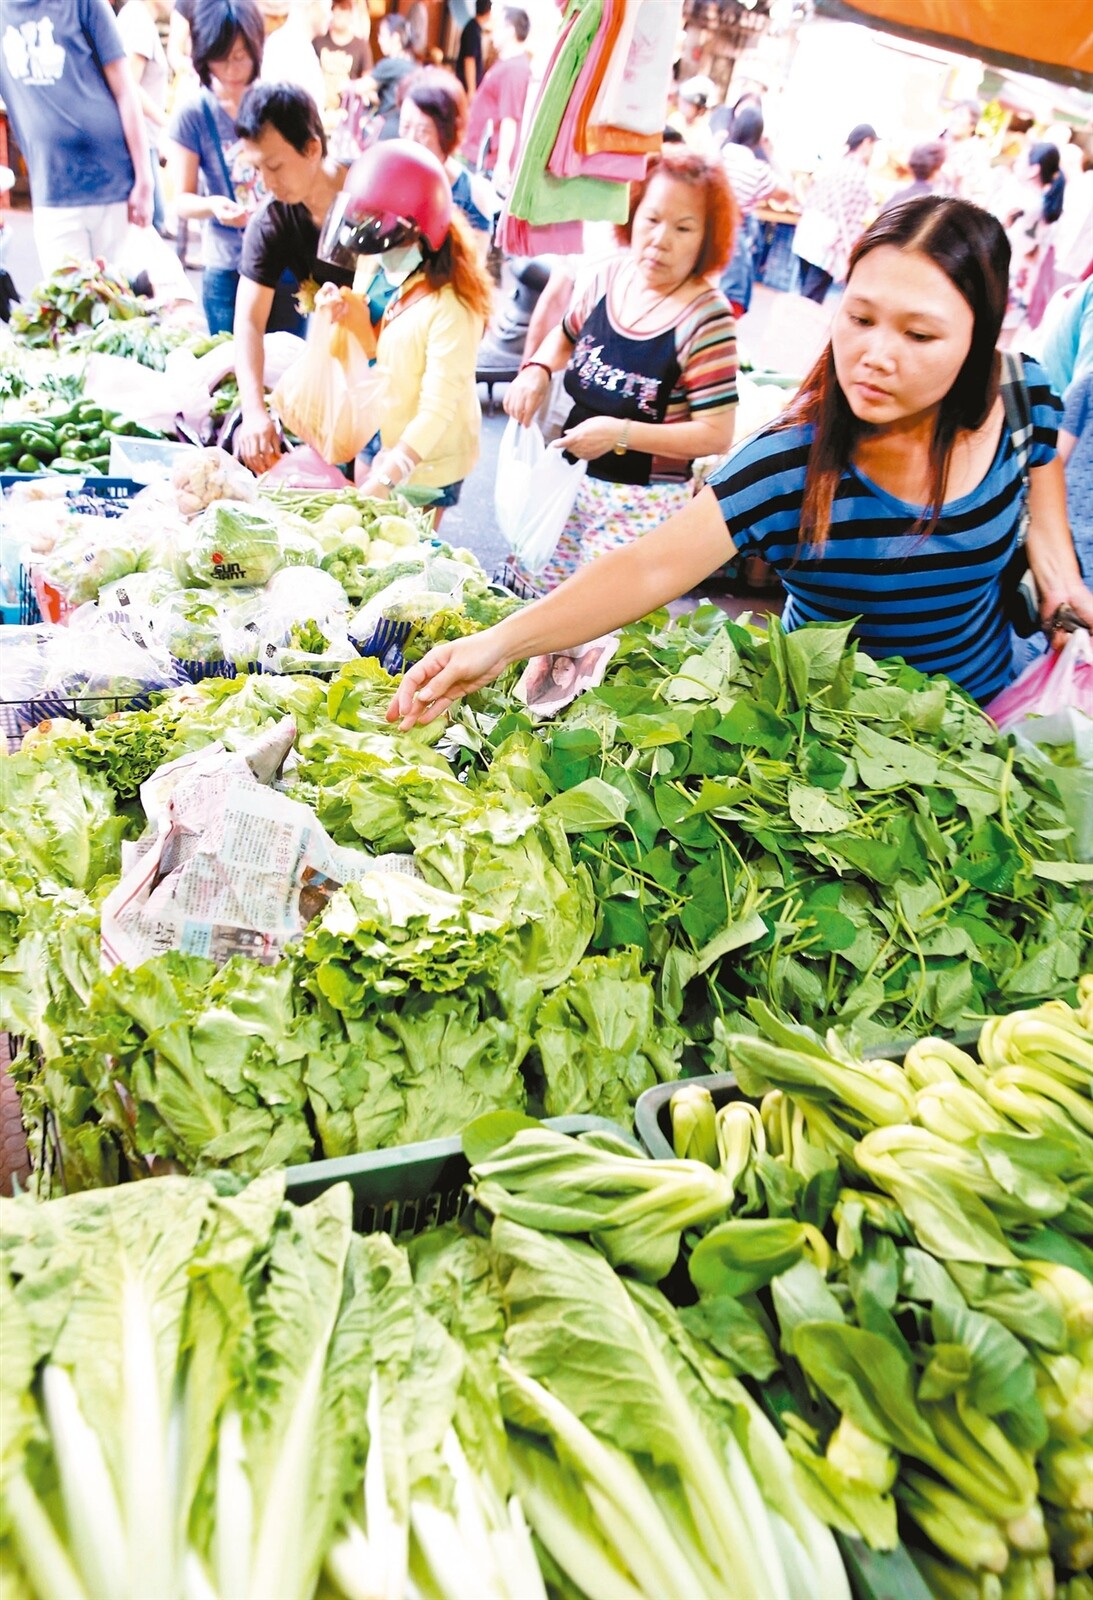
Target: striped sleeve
(1047, 412)
(706, 349)
(588, 294)
(760, 487)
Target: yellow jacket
(427, 356)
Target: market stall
(629, 1140)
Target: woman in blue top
(213, 181)
(891, 492)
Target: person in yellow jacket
(396, 206)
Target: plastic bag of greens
(137, 591)
(299, 546)
(233, 544)
(97, 553)
(23, 670)
(92, 672)
(189, 626)
(297, 623)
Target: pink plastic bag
(1061, 680)
(302, 468)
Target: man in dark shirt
(468, 65)
(343, 55)
(283, 140)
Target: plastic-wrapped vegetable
(208, 476)
(189, 626)
(137, 591)
(98, 670)
(299, 546)
(234, 544)
(297, 623)
(82, 563)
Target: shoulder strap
(217, 144)
(1015, 402)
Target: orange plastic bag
(331, 397)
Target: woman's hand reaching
(525, 395)
(445, 675)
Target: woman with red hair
(649, 351)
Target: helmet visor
(348, 233)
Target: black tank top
(613, 375)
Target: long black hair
(1046, 158)
(971, 249)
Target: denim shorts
(448, 496)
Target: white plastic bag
(534, 493)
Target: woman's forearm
(554, 351)
(1051, 552)
(625, 584)
(193, 207)
(683, 441)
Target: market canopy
(1056, 43)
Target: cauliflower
(205, 476)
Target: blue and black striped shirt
(934, 601)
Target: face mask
(399, 264)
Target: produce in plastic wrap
(98, 670)
(299, 546)
(80, 564)
(137, 591)
(211, 475)
(189, 625)
(234, 544)
(296, 623)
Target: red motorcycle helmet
(395, 194)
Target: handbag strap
(1015, 402)
(1018, 409)
(217, 144)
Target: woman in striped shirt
(891, 492)
(649, 353)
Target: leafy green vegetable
(598, 1042)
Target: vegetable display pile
(75, 439)
(594, 902)
(211, 1393)
(900, 1257)
(912, 1245)
(214, 1397)
(79, 295)
(777, 814)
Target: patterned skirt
(605, 517)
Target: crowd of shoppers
(273, 99)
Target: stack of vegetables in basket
(913, 1244)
